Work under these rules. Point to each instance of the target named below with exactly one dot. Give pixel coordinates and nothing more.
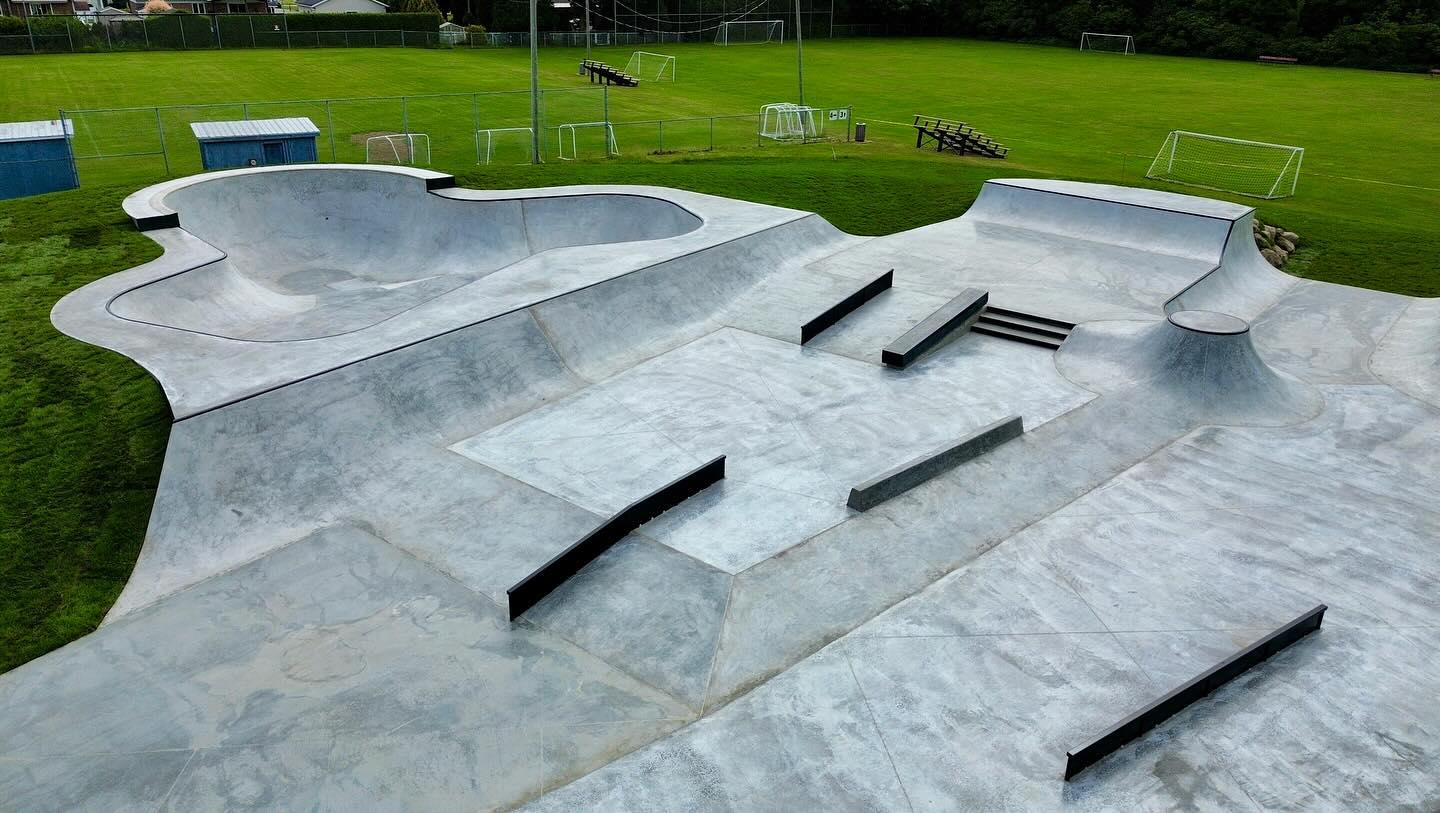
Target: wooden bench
(1277, 60)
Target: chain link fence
(122, 143)
(461, 129)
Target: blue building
(256, 142)
(35, 158)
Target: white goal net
(790, 122)
(1107, 43)
(1252, 168)
(651, 67)
(750, 32)
(404, 149)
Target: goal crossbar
(483, 155)
(774, 32)
(611, 148)
(636, 66)
(390, 153)
(1125, 42)
(1257, 169)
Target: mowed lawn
(84, 429)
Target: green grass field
(84, 429)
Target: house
(344, 6)
(211, 6)
(36, 8)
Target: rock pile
(1275, 244)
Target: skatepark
(397, 399)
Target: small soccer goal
(607, 134)
(750, 32)
(1252, 168)
(790, 122)
(651, 67)
(1107, 43)
(401, 149)
(511, 142)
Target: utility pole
(587, 30)
(799, 54)
(534, 83)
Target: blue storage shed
(256, 142)
(35, 158)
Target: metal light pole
(799, 54)
(587, 30)
(534, 84)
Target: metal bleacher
(956, 136)
(600, 72)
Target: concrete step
(1017, 335)
(1024, 323)
(1044, 320)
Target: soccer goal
(570, 130)
(1107, 43)
(510, 139)
(1252, 168)
(790, 122)
(651, 67)
(750, 32)
(404, 149)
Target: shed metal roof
(253, 128)
(35, 130)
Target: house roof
(253, 128)
(112, 11)
(317, 3)
(35, 130)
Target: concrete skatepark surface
(393, 402)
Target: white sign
(840, 114)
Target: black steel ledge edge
(530, 590)
(153, 222)
(1200, 686)
(447, 182)
(846, 306)
(954, 314)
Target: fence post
(404, 115)
(69, 37)
(245, 111)
(712, 133)
(286, 23)
(109, 46)
(330, 125)
(74, 167)
(475, 117)
(662, 135)
(215, 21)
(160, 129)
(252, 30)
(184, 46)
(402, 38)
(31, 32)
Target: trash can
(859, 132)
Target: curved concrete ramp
(319, 252)
(380, 447)
(1201, 362)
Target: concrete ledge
(844, 307)
(530, 590)
(954, 314)
(1207, 682)
(153, 222)
(902, 478)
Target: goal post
(1252, 168)
(651, 67)
(750, 32)
(607, 135)
(791, 122)
(401, 149)
(1107, 43)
